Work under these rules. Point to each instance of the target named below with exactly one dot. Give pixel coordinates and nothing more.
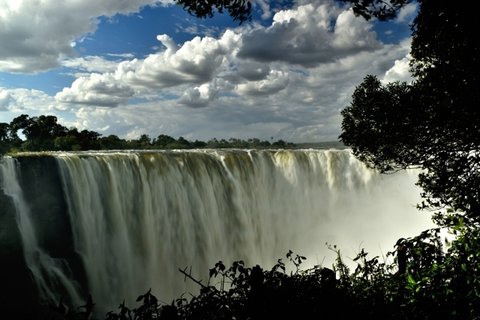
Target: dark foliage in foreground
(420, 280)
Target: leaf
(212, 272)
(411, 281)
(221, 266)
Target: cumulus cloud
(195, 62)
(352, 34)
(37, 35)
(240, 84)
(400, 71)
(96, 89)
(21, 100)
(5, 99)
(200, 96)
(274, 82)
(307, 109)
(252, 70)
(309, 35)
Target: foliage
(380, 9)
(436, 282)
(43, 133)
(239, 10)
(434, 122)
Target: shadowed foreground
(424, 281)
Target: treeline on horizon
(44, 133)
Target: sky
(132, 67)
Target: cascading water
(136, 217)
(52, 276)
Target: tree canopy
(239, 10)
(433, 122)
(44, 133)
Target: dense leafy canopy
(433, 122)
(239, 10)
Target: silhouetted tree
(239, 10)
(5, 139)
(434, 122)
(380, 9)
(40, 132)
(88, 140)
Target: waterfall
(137, 217)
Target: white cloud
(98, 90)
(309, 35)
(407, 13)
(353, 34)
(121, 55)
(195, 62)
(5, 99)
(37, 35)
(21, 100)
(200, 96)
(307, 109)
(92, 64)
(291, 87)
(274, 82)
(400, 71)
(264, 7)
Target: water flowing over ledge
(114, 224)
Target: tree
(87, 140)
(433, 123)
(380, 9)
(40, 132)
(162, 141)
(68, 142)
(112, 142)
(144, 142)
(180, 143)
(239, 10)
(4, 138)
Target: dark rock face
(42, 192)
(17, 287)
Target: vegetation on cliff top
(44, 133)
